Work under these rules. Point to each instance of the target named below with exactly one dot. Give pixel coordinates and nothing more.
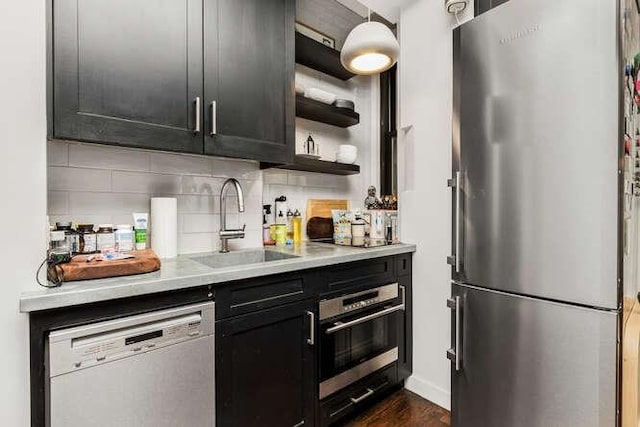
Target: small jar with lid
(70, 234)
(88, 242)
(125, 240)
(105, 237)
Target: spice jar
(124, 238)
(106, 238)
(88, 242)
(71, 236)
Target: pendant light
(370, 48)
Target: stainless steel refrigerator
(537, 231)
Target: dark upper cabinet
(482, 6)
(266, 367)
(249, 61)
(197, 76)
(128, 72)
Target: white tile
(252, 239)
(98, 156)
(274, 176)
(57, 153)
(107, 203)
(197, 242)
(201, 185)
(198, 204)
(77, 179)
(57, 203)
(240, 169)
(180, 164)
(200, 223)
(144, 182)
(82, 219)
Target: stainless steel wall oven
(360, 333)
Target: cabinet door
(249, 79)
(265, 368)
(128, 72)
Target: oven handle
(340, 326)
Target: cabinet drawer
(370, 272)
(252, 295)
(356, 397)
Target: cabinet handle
(196, 128)
(454, 354)
(359, 399)
(312, 328)
(214, 118)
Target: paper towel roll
(164, 226)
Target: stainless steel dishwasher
(153, 369)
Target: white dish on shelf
(320, 95)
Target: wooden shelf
(317, 111)
(317, 166)
(315, 55)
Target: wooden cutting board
(322, 207)
(78, 268)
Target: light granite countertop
(184, 272)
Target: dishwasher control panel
(90, 345)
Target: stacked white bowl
(347, 154)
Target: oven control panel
(361, 304)
(357, 301)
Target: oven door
(356, 345)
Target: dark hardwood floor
(403, 409)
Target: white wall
(425, 201)
(22, 190)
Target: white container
(125, 240)
(164, 226)
(320, 95)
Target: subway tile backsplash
(100, 184)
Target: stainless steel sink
(242, 257)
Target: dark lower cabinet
(266, 367)
(128, 72)
(249, 79)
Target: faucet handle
(244, 226)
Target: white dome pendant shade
(370, 48)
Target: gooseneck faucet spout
(225, 234)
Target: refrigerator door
(532, 363)
(536, 145)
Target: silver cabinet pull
(456, 259)
(196, 128)
(300, 424)
(402, 288)
(312, 328)
(340, 326)
(454, 354)
(214, 118)
(359, 399)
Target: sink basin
(244, 257)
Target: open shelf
(315, 55)
(317, 166)
(317, 111)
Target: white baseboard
(429, 391)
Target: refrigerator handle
(456, 259)
(455, 354)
